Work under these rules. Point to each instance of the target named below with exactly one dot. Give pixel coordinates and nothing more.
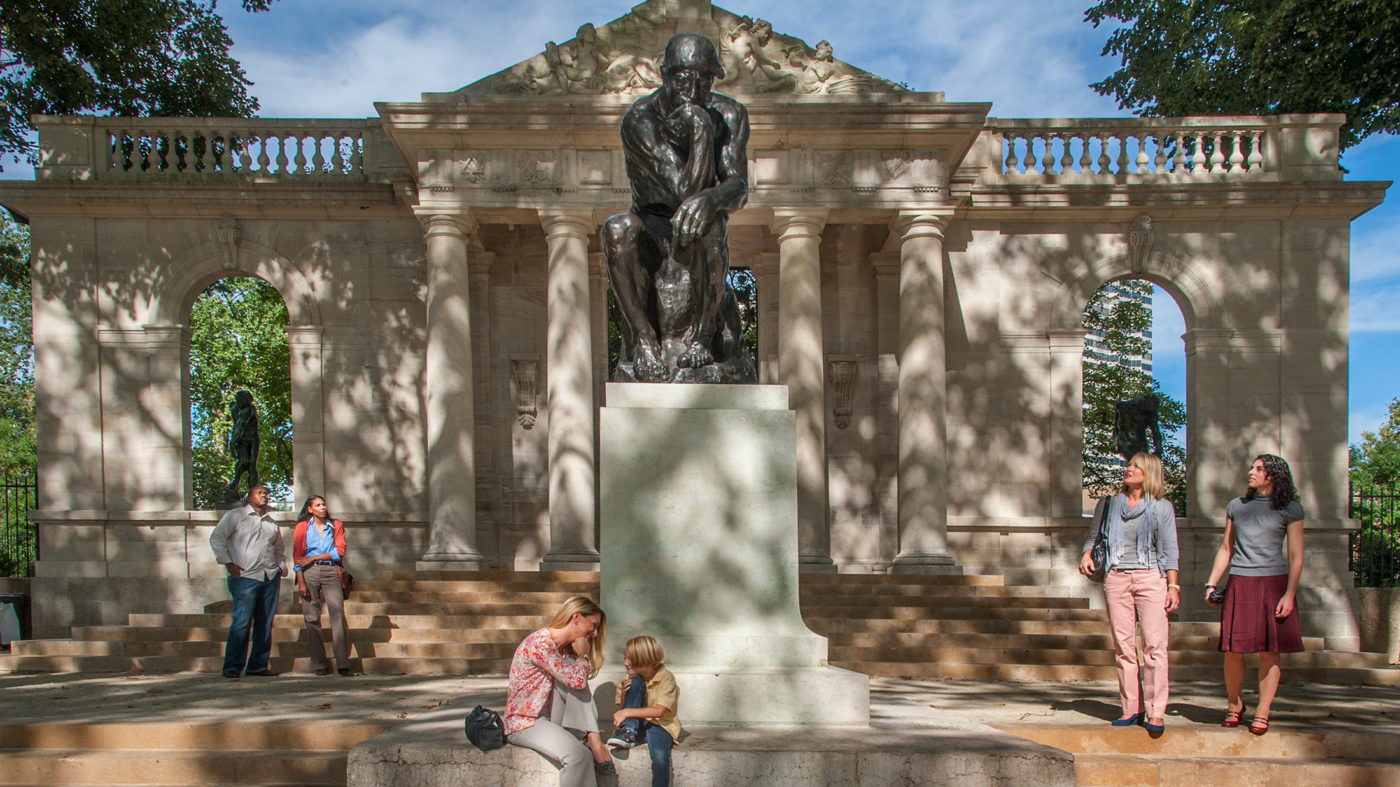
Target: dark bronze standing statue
(1132, 419)
(668, 257)
(244, 444)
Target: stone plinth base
(699, 549)
(911, 744)
(827, 696)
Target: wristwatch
(1174, 587)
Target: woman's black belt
(325, 563)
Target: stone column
(923, 398)
(886, 268)
(801, 368)
(569, 394)
(451, 417)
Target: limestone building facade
(922, 267)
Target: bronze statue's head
(690, 67)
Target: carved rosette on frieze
(623, 57)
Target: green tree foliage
(238, 340)
(1109, 378)
(1257, 57)
(16, 350)
(122, 57)
(1375, 482)
(17, 447)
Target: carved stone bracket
(841, 371)
(1140, 237)
(524, 369)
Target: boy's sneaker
(623, 739)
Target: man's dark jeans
(254, 604)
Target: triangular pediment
(623, 57)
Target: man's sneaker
(623, 739)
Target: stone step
(355, 618)
(150, 766)
(379, 665)
(897, 590)
(286, 648)
(823, 624)
(1204, 755)
(1140, 770)
(847, 580)
(962, 612)
(1079, 672)
(378, 632)
(180, 753)
(1201, 642)
(971, 597)
(948, 652)
(529, 579)
(267, 736)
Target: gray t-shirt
(1259, 532)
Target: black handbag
(484, 729)
(1099, 551)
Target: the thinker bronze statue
(668, 257)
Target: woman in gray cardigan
(1140, 587)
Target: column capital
(461, 224)
(561, 222)
(798, 222)
(923, 223)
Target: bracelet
(1174, 587)
(1211, 585)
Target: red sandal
(1233, 717)
(1259, 726)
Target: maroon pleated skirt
(1247, 622)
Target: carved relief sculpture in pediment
(622, 57)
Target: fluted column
(451, 415)
(801, 369)
(569, 389)
(923, 398)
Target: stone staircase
(469, 623)
(311, 753)
(975, 627)
(1196, 755)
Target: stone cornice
(1123, 202)
(202, 200)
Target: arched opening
(1124, 362)
(238, 342)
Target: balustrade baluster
(1237, 152)
(1086, 161)
(1198, 156)
(1012, 165)
(1141, 160)
(1159, 161)
(338, 157)
(282, 160)
(1217, 156)
(357, 151)
(318, 159)
(1067, 158)
(264, 161)
(1179, 155)
(1047, 159)
(1256, 151)
(300, 160)
(1105, 161)
(1122, 161)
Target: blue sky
(335, 58)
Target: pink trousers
(1138, 598)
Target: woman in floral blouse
(548, 705)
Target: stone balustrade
(207, 149)
(1142, 150)
(139, 149)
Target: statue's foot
(649, 368)
(697, 356)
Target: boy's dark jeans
(658, 740)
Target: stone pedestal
(699, 549)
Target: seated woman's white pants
(572, 715)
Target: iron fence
(19, 537)
(1375, 548)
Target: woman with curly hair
(1259, 611)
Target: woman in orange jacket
(318, 555)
